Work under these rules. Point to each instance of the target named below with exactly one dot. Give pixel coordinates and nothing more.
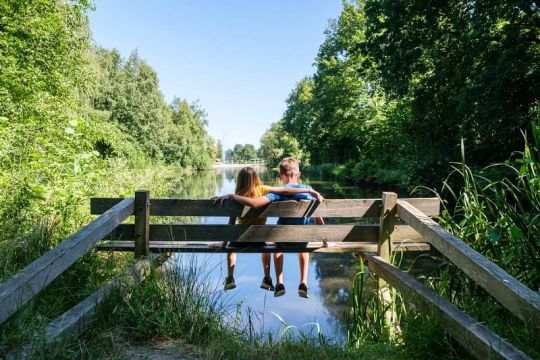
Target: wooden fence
(397, 225)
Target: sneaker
(280, 290)
(267, 284)
(302, 291)
(229, 283)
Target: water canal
(329, 274)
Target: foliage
(128, 95)
(467, 68)
(398, 84)
(242, 153)
(276, 144)
(501, 217)
(76, 121)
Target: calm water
(329, 277)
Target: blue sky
(239, 58)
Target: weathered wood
(387, 222)
(202, 247)
(346, 208)
(473, 336)
(142, 222)
(265, 233)
(516, 297)
(77, 319)
(16, 291)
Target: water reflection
(329, 275)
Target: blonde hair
(246, 182)
(289, 166)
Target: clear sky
(239, 58)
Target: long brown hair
(247, 181)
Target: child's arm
(254, 203)
(294, 191)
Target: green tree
(219, 150)
(468, 69)
(249, 152)
(277, 144)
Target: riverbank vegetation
(77, 121)
(496, 210)
(398, 85)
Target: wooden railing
(195, 237)
(398, 224)
(15, 292)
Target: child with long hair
(249, 185)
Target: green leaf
(495, 236)
(516, 233)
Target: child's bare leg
(303, 259)
(278, 266)
(265, 258)
(231, 263)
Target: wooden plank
(76, 320)
(473, 336)
(142, 222)
(347, 208)
(200, 247)
(516, 297)
(265, 233)
(16, 291)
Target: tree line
(72, 113)
(397, 86)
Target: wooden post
(386, 225)
(387, 222)
(142, 222)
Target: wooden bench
(361, 234)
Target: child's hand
(317, 195)
(326, 244)
(217, 245)
(220, 199)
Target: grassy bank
(176, 304)
(21, 245)
(496, 210)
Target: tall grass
(176, 302)
(496, 210)
(19, 247)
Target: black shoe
(229, 283)
(267, 284)
(302, 291)
(280, 290)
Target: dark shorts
(291, 245)
(245, 244)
